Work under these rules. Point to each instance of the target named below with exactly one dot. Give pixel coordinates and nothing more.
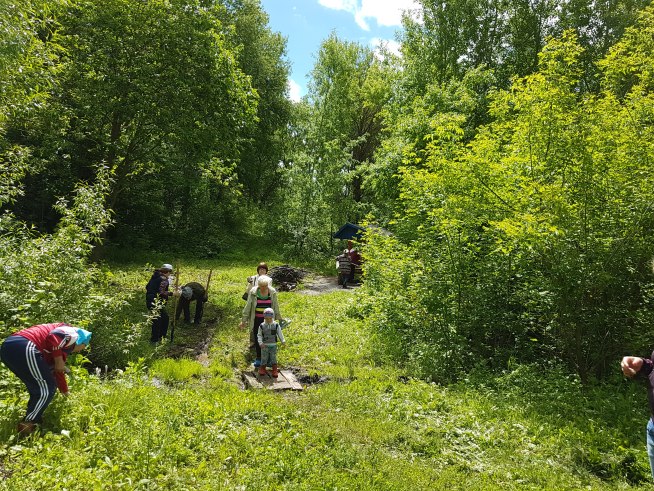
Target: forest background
(502, 164)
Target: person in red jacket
(37, 355)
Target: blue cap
(83, 336)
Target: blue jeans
(650, 444)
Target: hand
(177, 293)
(631, 365)
(261, 345)
(65, 394)
(242, 325)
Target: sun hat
(83, 336)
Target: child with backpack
(269, 332)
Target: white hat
(167, 266)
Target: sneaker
(257, 363)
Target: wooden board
(285, 381)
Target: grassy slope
(367, 428)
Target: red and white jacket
(52, 340)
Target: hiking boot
(26, 428)
(275, 372)
(262, 370)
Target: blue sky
(306, 23)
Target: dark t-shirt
(197, 289)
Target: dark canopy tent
(349, 231)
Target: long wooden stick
(172, 331)
(206, 290)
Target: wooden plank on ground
(251, 381)
(285, 381)
(291, 380)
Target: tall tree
(531, 241)
(349, 89)
(152, 89)
(261, 56)
(506, 36)
(26, 74)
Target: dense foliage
(177, 99)
(511, 172)
(181, 424)
(532, 241)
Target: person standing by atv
(343, 265)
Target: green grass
(367, 427)
(170, 370)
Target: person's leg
(164, 320)
(41, 388)
(650, 445)
(199, 310)
(264, 360)
(253, 340)
(272, 354)
(187, 309)
(24, 359)
(265, 356)
(154, 337)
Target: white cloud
(385, 13)
(294, 90)
(349, 5)
(389, 44)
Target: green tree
(26, 74)
(341, 130)
(531, 241)
(153, 90)
(261, 55)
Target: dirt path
(317, 285)
(194, 341)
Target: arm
(60, 373)
(260, 336)
(163, 289)
(280, 334)
(245, 318)
(275, 305)
(54, 345)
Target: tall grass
(367, 427)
